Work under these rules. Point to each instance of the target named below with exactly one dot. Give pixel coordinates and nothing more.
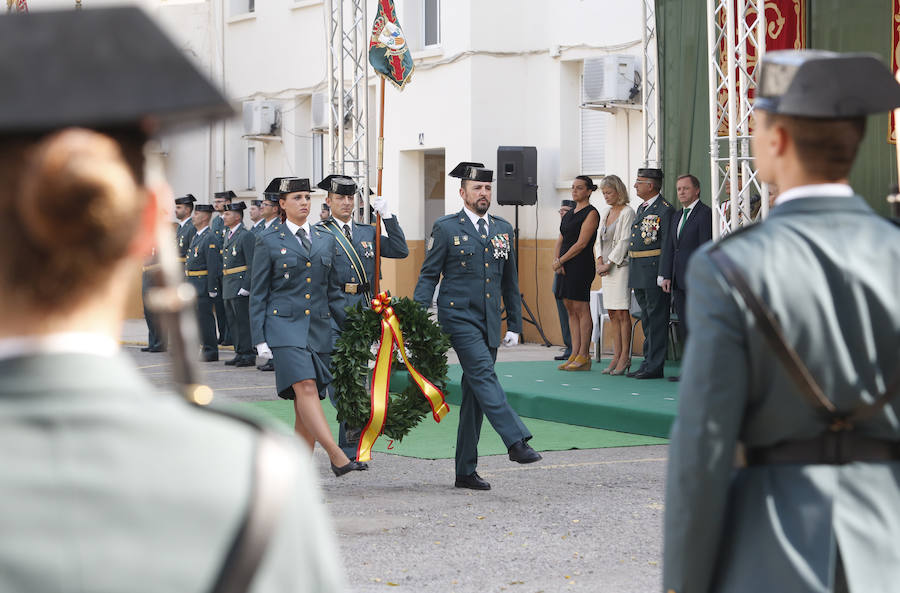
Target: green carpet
(563, 410)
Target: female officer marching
(294, 297)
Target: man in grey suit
(648, 235)
(354, 263)
(795, 359)
(475, 255)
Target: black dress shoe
(209, 357)
(634, 373)
(232, 362)
(473, 482)
(353, 466)
(645, 375)
(266, 367)
(562, 356)
(521, 452)
(145, 349)
(675, 379)
(245, 362)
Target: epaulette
(498, 219)
(447, 217)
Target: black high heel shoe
(353, 466)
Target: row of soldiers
(217, 252)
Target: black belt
(829, 448)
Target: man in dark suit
(474, 253)
(648, 235)
(690, 229)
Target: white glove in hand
(511, 339)
(380, 205)
(213, 294)
(243, 292)
(263, 351)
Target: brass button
(307, 311)
(286, 275)
(283, 265)
(464, 264)
(274, 311)
(487, 279)
(308, 264)
(309, 279)
(451, 303)
(486, 264)
(485, 249)
(307, 296)
(488, 295)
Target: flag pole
(377, 279)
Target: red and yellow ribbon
(391, 337)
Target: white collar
(269, 222)
(651, 200)
(691, 205)
(475, 218)
(181, 223)
(61, 343)
(818, 190)
(234, 228)
(294, 228)
(200, 231)
(342, 224)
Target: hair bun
(76, 188)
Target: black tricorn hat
(237, 207)
(187, 199)
(98, 68)
(286, 185)
(472, 172)
(204, 208)
(225, 195)
(338, 184)
(650, 173)
(824, 84)
(256, 202)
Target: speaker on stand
(517, 186)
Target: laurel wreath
(354, 359)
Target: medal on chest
(368, 249)
(196, 251)
(234, 250)
(500, 244)
(650, 228)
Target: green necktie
(304, 240)
(482, 228)
(684, 215)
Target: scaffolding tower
(735, 29)
(649, 80)
(348, 86)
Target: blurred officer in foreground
(794, 355)
(109, 484)
(474, 254)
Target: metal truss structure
(348, 86)
(737, 40)
(650, 149)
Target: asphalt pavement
(578, 520)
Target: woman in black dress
(575, 264)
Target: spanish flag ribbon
(391, 337)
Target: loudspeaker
(517, 175)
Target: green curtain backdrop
(839, 25)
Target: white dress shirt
(818, 190)
(61, 343)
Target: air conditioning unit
(319, 111)
(262, 118)
(609, 79)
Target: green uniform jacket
(184, 234)
(204, 253)
(829, 269)
(475, 276)
(109, 485)
(649, 232)
(237, 252)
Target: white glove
(243, 292)
(380, 205)
(212, 294)
(263, 351)
(511, 339)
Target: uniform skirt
(293, 364)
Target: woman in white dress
(612, 266)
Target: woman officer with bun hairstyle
(109, 484)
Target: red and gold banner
(785, 29)
(391, 337)
(895, 60)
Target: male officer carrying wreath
(794, 355)
(474, 253)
